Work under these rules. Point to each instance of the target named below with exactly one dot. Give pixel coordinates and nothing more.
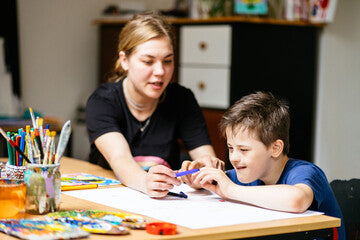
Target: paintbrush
(63, 140)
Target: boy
(257, 131)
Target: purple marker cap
(179, 174)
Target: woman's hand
(204, 161)
(159, 180)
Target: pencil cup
(3, 170)
(43, 192)
(14, 172)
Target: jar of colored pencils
(43, 188)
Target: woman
(141, 115)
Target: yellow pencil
(78, 187)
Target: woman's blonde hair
(141, 28)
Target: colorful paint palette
(100, 222)
(40, 229)
(75, 179)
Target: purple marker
(179, 174)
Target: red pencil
(17, 139)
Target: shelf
(113, 20)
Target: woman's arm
(116, 151)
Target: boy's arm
(289, 198)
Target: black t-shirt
(178, 116)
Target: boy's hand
(159, 180)
(206, 178)
(204, 161)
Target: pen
(180, 195)
(78, 187)
(179, 174)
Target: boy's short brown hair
(261, 113)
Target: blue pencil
(22, 147)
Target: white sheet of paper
(202, 209)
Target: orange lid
(161, 228)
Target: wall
(59, 54)
(337, 149)
(59, 51)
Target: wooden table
(300, 228)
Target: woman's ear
(123, 60)
(277, 148)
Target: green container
(43, 188)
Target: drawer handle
(201, 85)
(203, 45)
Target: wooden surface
(110, 20)
(70, 165)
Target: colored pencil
(14, 145)
(78, 187)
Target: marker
(179, 174)
(14, 145)
(180, 195)
(78, 187)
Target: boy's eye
(148, 62)
(244, 150)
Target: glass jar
(14, 172)
(43, 188)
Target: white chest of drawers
(205, 62)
